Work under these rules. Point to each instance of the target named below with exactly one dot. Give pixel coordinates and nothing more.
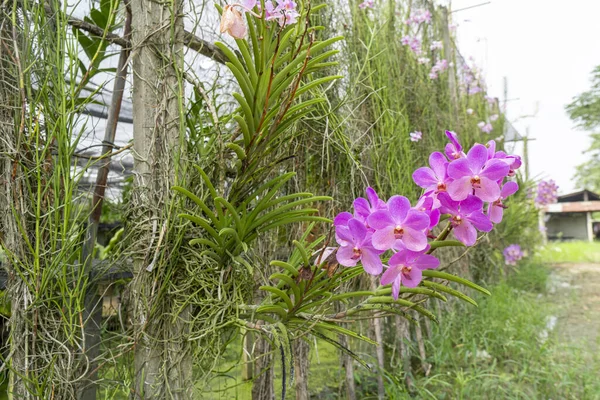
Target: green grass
(563, 252)
(517, 363)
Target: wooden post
(449, 55)
(162, 360)
(526, 154)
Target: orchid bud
(232, 22)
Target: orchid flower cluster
(547, 193)
(457, 184)
(512, 254)
(232, 19)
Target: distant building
(571, 218)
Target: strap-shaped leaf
(204, 224)
(199, 202)
(245, 50)
(449, 277)
(287, 266)
(287, 280)
(316, 82)
(249, 116)
(285, 72)
(279, 293)
(404, 303)
(450, 291)
(445, 243)
(417, 290)
(207, 181)
(273, 309)
(205, 242)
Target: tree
(584, 110)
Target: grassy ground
(509, 348)
(570, 252)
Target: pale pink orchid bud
(232, 22)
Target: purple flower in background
(413, 42)
(399, 223)
(454, 149)
(418, 17)
(416, 136)
(547, 193)
(494, 117)
(367, 4)
(356, 246)
(496, 208)
(249, 4)
(474, 90)
(406, 268)
(485, 127)
(440, 66)
(512, 254)
(491, 100)
(465, 216)
(476, 174)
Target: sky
(547, 50)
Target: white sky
(547, 50)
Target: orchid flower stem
(442, 236)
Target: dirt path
(578, 286)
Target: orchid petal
(425, 177)
(390, 275)
(371, 262)
(384, 239)
(508, 189)
(413, 278)
(396, 288)
(426, 261)
(495, 213)
(477, 157)
(460, 188)
(357, 230)
(413, 239)
(342, 219)
(459, 168)
(480, 221)
(361, 207)
(466, 233)
(471, 204)
(488, 189)
(398, 207)
(345, 256)
(439, 164)
(495, 170)
(418, 220)
(380, 219)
